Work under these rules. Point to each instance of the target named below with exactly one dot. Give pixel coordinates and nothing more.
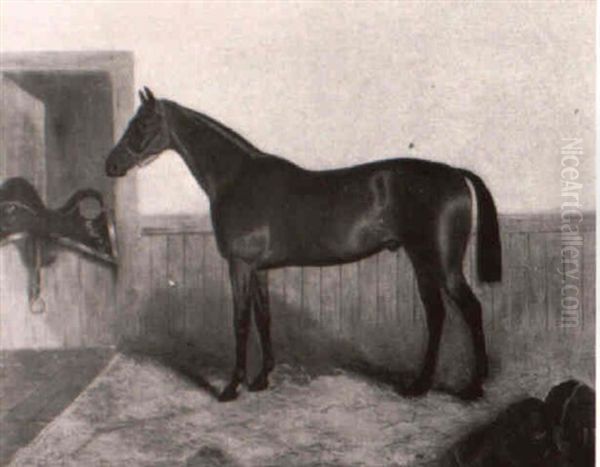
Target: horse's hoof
(228, 394)
(259, 384)
(472, 392)
(483, 372)
(417, 389)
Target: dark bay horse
(268, 212)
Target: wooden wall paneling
(541, 222)
(587, 342)
(193, 286)
(341, 315)
(419, 322)
(499, 300)
(536, 282)
(106, 277)
(411, 321)
(368, 291)
(13, 298)
(349, 300)
(554, 276)
(379, 293)
(157, 317)
(405, 293)
(520, 269)
(132, 317)
(67, 290)
(387, 272)
(589, 280)
(19, 327)
(500, 297)
(175, 284)
(79, 303)
(571, 321)
(419, 334)
(311, 292)
(277, 290)
(485, 295)
(293, 292)
(330, 298)
(97, 303)
(574, 276)
(213, 273)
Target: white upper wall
(493, 87)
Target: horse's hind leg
(427, 274)
(262, 318)
(461, 294)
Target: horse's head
(146, 136)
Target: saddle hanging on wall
(82, 224)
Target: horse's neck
(214, 156)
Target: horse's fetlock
(269, 363)
(239, 374)
(241, 331)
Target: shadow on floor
(299, 342)
(200, 344)
(36, 386)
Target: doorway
(60, 112)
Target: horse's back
(290, 215)
(283, 174)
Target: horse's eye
(152, 122)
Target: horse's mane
(223, 130)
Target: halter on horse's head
(146, 136)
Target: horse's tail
(489, 248)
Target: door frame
(119, 65)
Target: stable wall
(489, 86)
(370, 308)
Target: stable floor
(154, 411)
(36, 386)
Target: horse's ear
(149, 94)
(143, 98)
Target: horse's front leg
(262, 318)
(240, 274)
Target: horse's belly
(331, 244)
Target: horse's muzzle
(113, 169)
